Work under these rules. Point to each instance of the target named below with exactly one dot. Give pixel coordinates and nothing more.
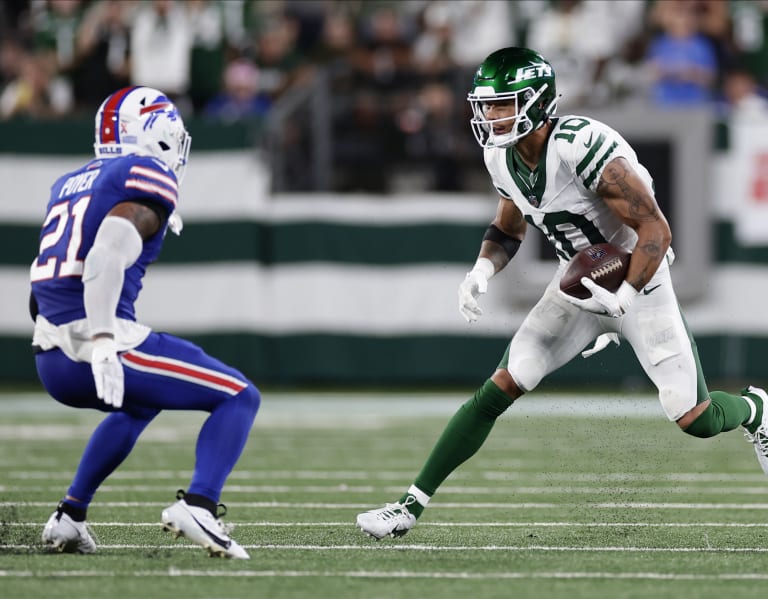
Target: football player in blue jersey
(580, 183)
(105, 223)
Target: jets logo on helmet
(517, 75)
(536, 70)
(142, 120)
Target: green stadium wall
(341, 290)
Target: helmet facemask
(142, 120)
(529, 115)
(516, 75)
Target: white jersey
(560, 197)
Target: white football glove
(601, 343)
(473, 286)
(603, 301)
(107, 371)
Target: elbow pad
(116, 247)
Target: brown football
(604, 263)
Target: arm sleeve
(116, 247)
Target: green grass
(570, 497)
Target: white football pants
(555, 331)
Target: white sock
(420, 495)
(752, 410)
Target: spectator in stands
(103, 51)
(743, 98)
(241, 99)
(683, 63)
(37, 92)
(713, 21)
(432, 141)
(54, 26)
(334, 54)
(338, 39)
(11, 52)
(750, 36)
(384, 56)
(279, 62)
(161, 45)
(365, 142)
(463, 33)
(564, 33)
(211, 41)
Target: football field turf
(569, 497)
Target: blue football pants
(163, 373)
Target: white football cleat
(66, 535)
(392, 520)
(760, 437)
(203, 528)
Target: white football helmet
(142, 120)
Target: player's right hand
(473, 285)
(107, 371)
(602, 301)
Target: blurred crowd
(398, 70)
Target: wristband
(485, 267)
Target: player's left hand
(473, 285)
(603, 301)
(107, 372)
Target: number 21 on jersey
(57, 256)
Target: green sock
(725, 413)
(462, 437)
(413, 506)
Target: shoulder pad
(586, 145)
(151, 179)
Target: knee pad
(527, 373)
(676, 401)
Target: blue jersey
(79, 202)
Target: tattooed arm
(627, 195)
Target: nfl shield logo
(596, 253)
(533, 201)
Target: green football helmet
(512, 74)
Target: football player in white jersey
(579, 182)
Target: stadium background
(328, 226)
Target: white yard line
(387, 575)
(263, 524)
(447, 548)
(675, 477)
(397, 490)
(630, 505)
